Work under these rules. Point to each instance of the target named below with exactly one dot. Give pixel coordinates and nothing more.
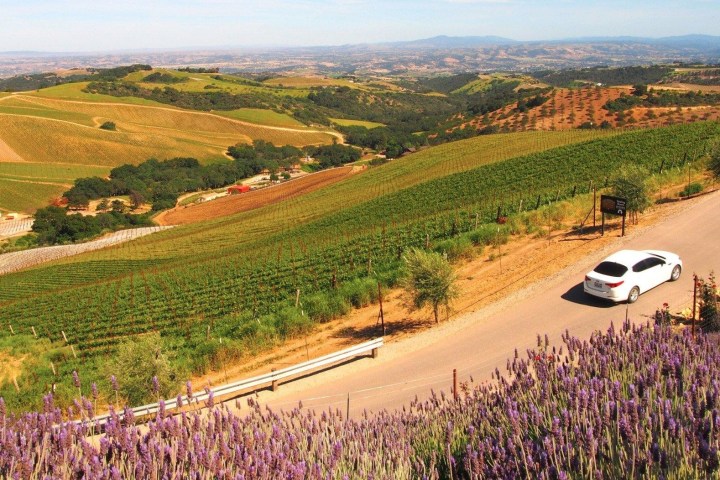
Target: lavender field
(641, 402)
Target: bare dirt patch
(243, 202)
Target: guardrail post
(375, 352)
(274, 382)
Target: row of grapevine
(226, 288)
(435, 210)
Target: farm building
(236, 189)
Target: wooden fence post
(455, 389)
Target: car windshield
(611, 269)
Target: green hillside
(237, 275)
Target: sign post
(613, 206)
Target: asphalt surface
(479, 342)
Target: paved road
(481, 341)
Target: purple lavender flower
(155, 385)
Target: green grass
(41, 112)
(73, 91)
(197, 82)
(262, 117)
(24, 196)
(356, 123)
(49, 172)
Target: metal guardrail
(270, 379)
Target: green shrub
(259, 330)
(136, 362)
(290, 322)
(489, 234)
(456, 248)
(316, 307)
(691, 189)
(324, 306)
(360, 292)
(338, 305)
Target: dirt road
(478, 343)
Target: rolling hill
(59, 127)
(237, 275)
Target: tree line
(605, 75)
(162, 182)
(642, 96)
(53, 225)
(24, 83)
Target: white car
(624, 275)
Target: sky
(122, 25)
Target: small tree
(117, 206)
(640, 90)
(429, 278)
(103, 205)
(142, 369)
(631, 184)
(108, 126)
(136, 200)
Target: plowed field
(251, 200)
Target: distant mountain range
(700, 42)
(441, 54)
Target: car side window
(653, 262)
(640, 266)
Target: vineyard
(236, 287)
(229, 234)
(23, 259)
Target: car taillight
(587, 279)
(616, 284)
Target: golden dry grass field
(60, 125)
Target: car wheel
(633, 295)
(675, 273)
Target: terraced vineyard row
(183, 301)
(229, 235)
(13, 261)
